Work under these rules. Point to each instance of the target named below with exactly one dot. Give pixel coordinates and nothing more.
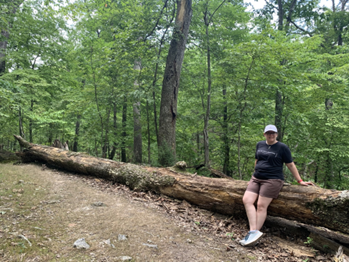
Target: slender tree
(137, 126)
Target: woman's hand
(303, 183)
(292, 167)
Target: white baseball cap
(270, 128)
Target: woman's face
(271, 136)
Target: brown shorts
(265, 187)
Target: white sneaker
(251, 238)
(242, 242)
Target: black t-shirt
(270, 159)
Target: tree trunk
(207, 20)
(50, 133)
(148, 133)
(310, 205)
(124, 133)
(279, 103)
(31, 122)
(105, 141)
(280, 16)
(239, 148)
(209, 84)
(169, 93)
(11, 7)
(137, 127)
(155, 118)
(3, 47)
(156, 78)
(279, 107)
(321, 238)
(339, 28)
(226, 145)
(20, 122)
(137, 132)
(113, 151)
(77, 130)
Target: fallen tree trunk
(309, 205)
(7, 156)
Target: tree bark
(31, 122)
(169, 93)
(20, 122)
(137, 133)
(124, 133)
(280, 16)
(279, 103)
(148, 133)
(309, 205)
(113, 151)
(226, 144)
(279, 107)
(207, 21)
(321, 238)
(12, 7)
(162, 40)
(3, 47)
(137, 126)
(77, 130)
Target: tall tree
(169, 93)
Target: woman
(266, 181)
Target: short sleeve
(255, 154)
(287, 157)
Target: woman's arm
(292, 167)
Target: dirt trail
(53, 209)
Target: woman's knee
(263, 203)
(249, 198)
(262, 207)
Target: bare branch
(215, 11)
(303, 30)
(157, 22)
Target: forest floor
(44, 211)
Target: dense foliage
(90, 72)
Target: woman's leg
(261, 214)
(249, 199)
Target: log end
(332, 211)
(22, 142)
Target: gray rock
(125, 258)
(81, 243)
(53, 201)
(152, 246)
(98, 204)
(122, 237)
(108, 242)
